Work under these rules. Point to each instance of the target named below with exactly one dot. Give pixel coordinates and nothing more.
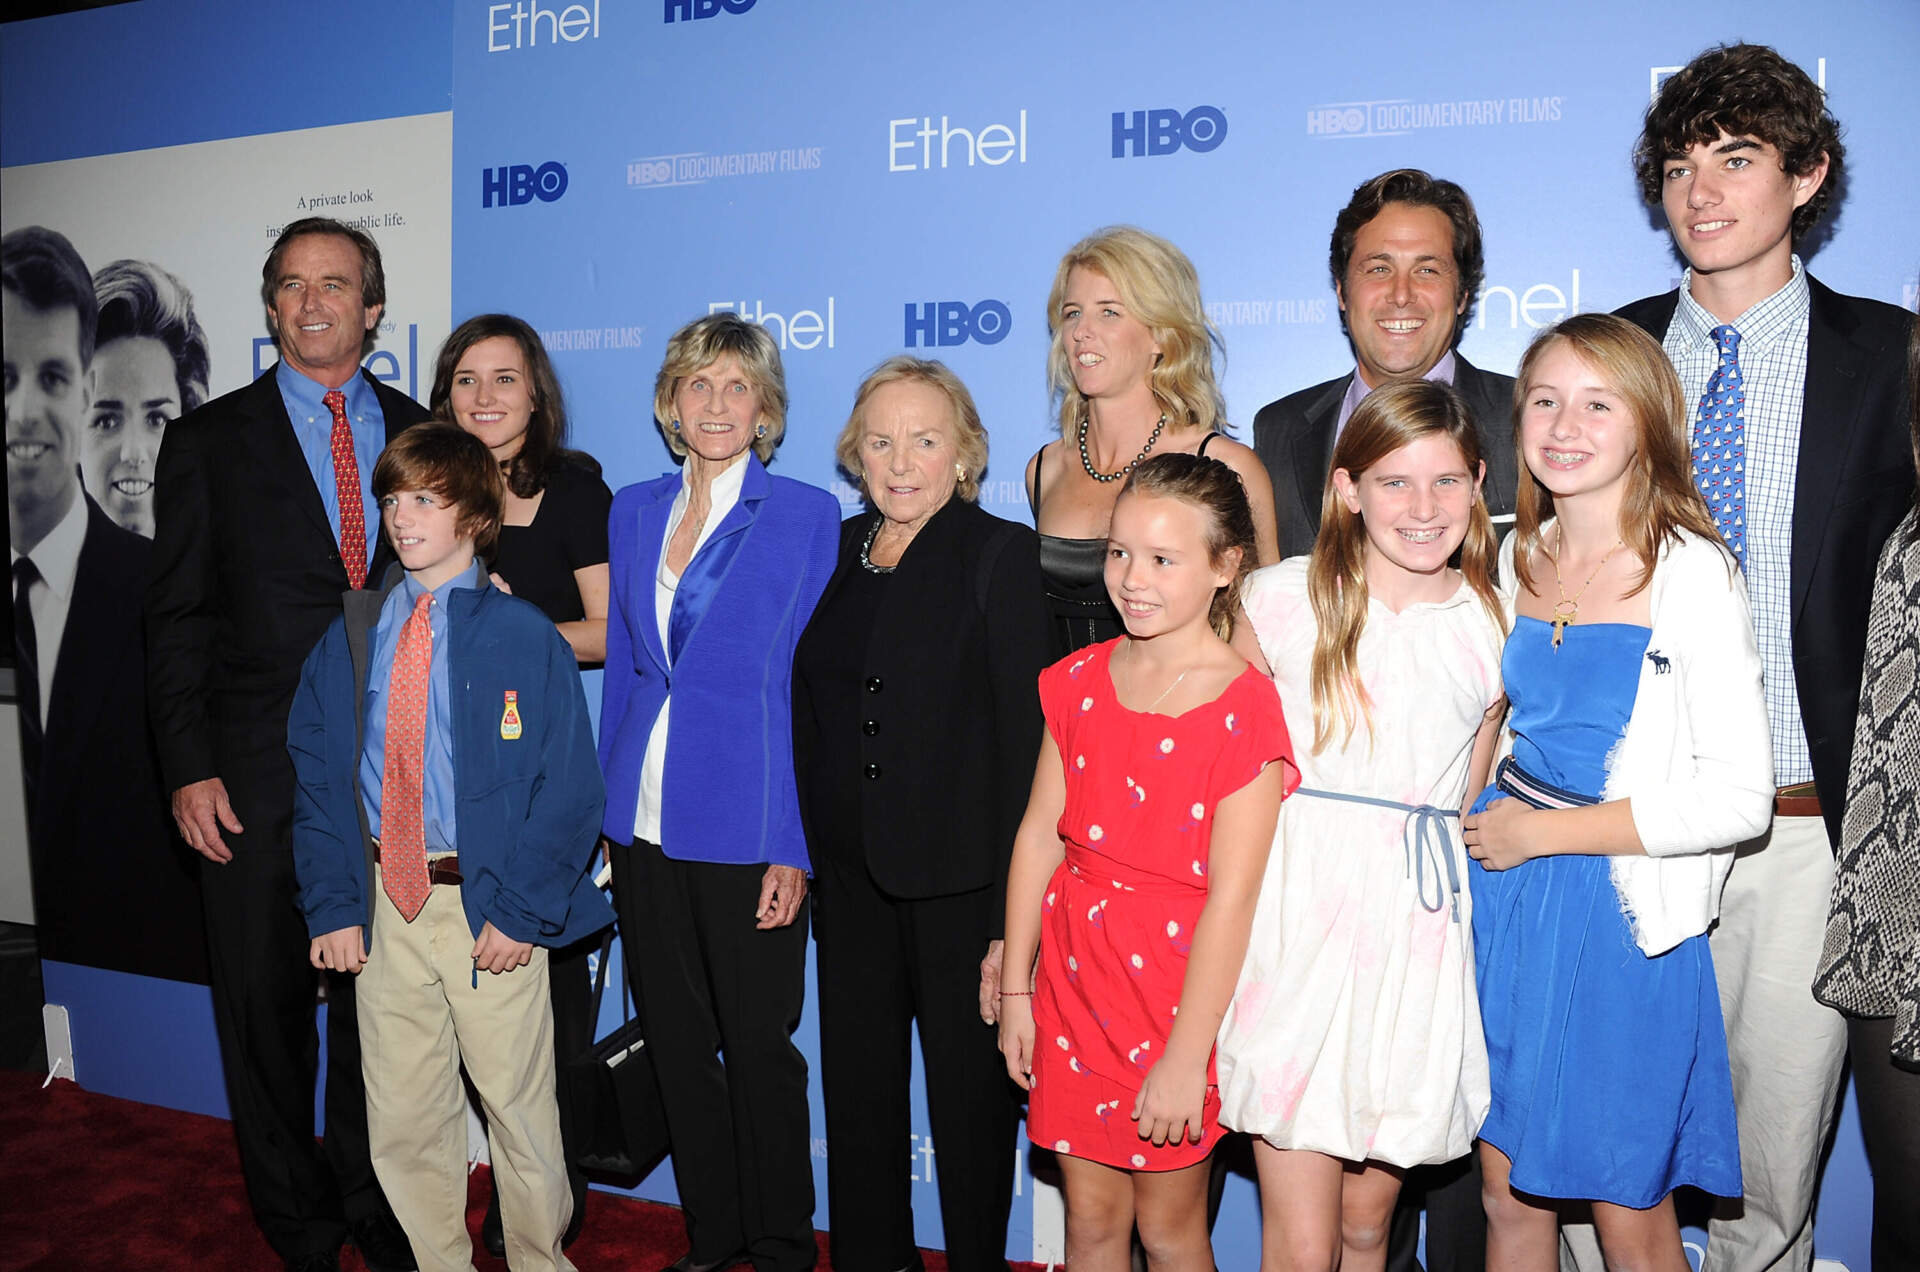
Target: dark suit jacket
(113, 885)
(246, 577)
(957, 709)
(1853, 484)
(1294, 439)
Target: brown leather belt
(439, 870)
(1799, 800)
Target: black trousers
(707, 985)
(1890, 1121)
(1456, 1218)
(885, 965)
(303, 1195)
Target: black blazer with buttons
(246, 576)
(1852, 485)
(951, 705)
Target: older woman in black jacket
(917, 726)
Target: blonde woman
(1353, 1048)
(1132, 362)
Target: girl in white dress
(1352, 1048)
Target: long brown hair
(1660, 499)
(1215, 489)
(546, 437)
(1393, 416)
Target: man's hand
(200, 809)
(341, 950)
(496, 952)
(782, 889)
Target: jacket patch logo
(510, 717)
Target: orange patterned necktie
(346, 484)
(403, 837)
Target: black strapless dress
(1075, 571)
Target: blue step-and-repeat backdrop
(871, 176)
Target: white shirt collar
(57, 556)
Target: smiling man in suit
(263, 518)
(77, 581)
(1807, 480)
(1406, 262)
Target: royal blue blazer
(728, 787)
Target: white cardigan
(1696, 758)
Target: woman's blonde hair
(705, 341)
(969, 434)
(1216, 490)
(1159, 286)
(1660, 500)
(1393, 416)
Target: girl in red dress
(1136, 869)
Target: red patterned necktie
(403, 838)
(346, 484)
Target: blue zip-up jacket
(527, 807)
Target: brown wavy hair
(1660, 499)
(1421, 190)
(1743, 90)
(1393, 416)
(1160, 287)
(545, 443)
(1215, 489)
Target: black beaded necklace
(1086, 460)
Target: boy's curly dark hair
(1744, 90)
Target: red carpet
(89, 1183)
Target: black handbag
(622, 1122)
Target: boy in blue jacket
(448, 803)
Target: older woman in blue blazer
(715, 572)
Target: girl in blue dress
(1635, 756)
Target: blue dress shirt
(437, 797)
(313, 426)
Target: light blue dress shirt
(313, 427)
(437, 796)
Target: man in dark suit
(1406, 263)
(112, 887)
(263, 518)
(1740, 151)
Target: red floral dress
(1118, 915)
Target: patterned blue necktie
(1720, 445)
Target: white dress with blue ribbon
(1355, 1029)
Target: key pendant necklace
(1567, 609)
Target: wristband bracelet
(1016, 993)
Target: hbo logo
(952, 322)
(1161, 132)
(518, 184)
(1337, 121)
(692, 10)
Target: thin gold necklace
(1567, 609)
(1148, 710)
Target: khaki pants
(1786, 1049)
(421, 1017)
